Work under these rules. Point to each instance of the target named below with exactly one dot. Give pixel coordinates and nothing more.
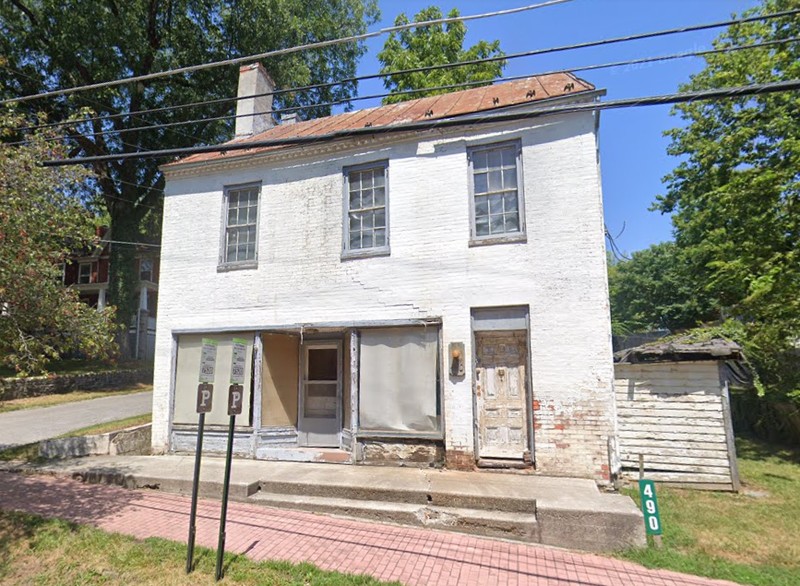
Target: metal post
(195, 486)
(224, 511)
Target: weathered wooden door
(500, 394)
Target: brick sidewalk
(410, 555)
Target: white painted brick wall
(432, 272)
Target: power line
(446, 87)
(531, 53)
(675, 98)
(277, 52)
(131, 243)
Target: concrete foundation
(564, 512)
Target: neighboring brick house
(430, 296)
(87, 271)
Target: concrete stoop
(563, 512)
(482, 515)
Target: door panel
(500, 394)
(320, 395)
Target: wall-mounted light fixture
(456, 358)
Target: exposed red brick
(458, 460)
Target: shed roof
(451, 105)
(679, 350)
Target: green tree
(655, 290)
(434, 45)
(40, 223)
(51, 44)
(735, 197)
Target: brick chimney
(254, 115)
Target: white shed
(673, 410)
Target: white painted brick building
(460, 335)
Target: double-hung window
(239, 247)
(84, 273)
(497, 203)
(146, 269)
(366, 222)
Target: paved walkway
(416, 557)
(32, 425)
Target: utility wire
(449, 65)
(675, 98)
(278, 52)
(444, 87)
(613, 246)
(131, 243)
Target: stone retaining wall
(133, 440)
(20, 388)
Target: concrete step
(414, 495)
(517, 526)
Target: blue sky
(632, 147)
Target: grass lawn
(111, 426)
(60, 399)
(52, 553)
(74, 366)
(752, 537)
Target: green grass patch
(72, 397)
(24, 452)
(111, 426)
(52, 552)
(74, 366)
(749, 538)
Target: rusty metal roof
(450, 105)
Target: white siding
(431, 272)
(674, 414)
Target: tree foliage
(40, 223)
(434, 45)
(51, 44)
(735, 198)
(655, 290)
(735, 204)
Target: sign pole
(235, 400)
(224, 513)
(205, 393)
(647, 493)
(195, 483)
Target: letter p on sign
(235, 399)
(205, 393)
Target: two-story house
(416, 283)
(87, 271)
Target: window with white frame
(241, 225)
(497, 203)
(84, 273)
(366, 209)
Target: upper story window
(496, 182)
(239, 247)
(84, 273)
(146, 269)
(366, 223)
